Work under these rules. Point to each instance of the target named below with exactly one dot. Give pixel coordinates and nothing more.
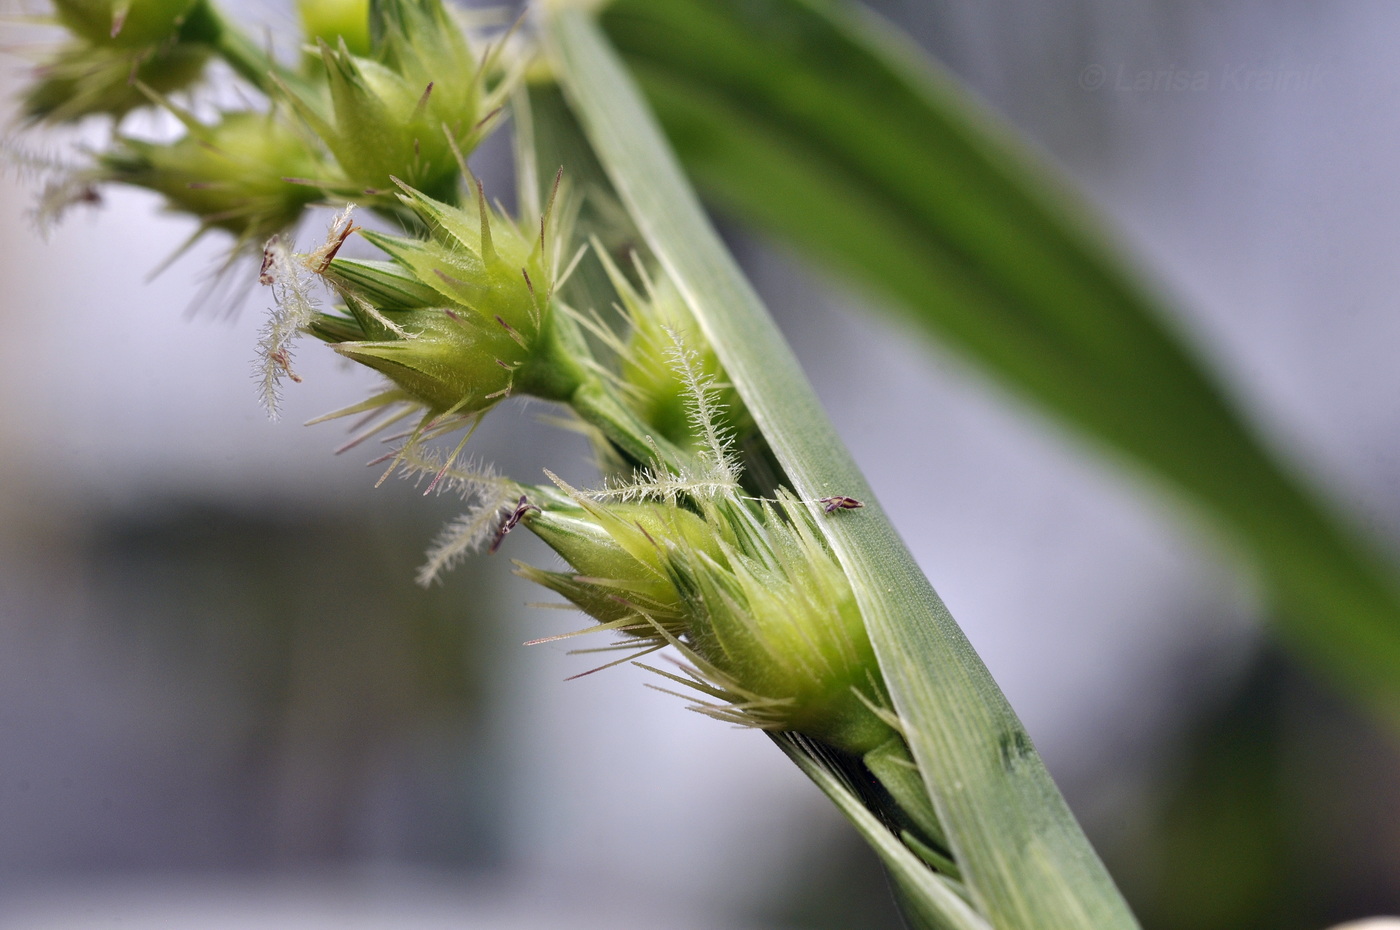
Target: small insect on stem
(834, 504)
(512, 520)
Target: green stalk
(1024, 858)
(248, 60)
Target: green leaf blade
(1024, 858)
(811, 122)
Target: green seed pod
(115, 48)
(459, 320)
(231, 175)
(755, 600)
(85, 80)
(129, 24)
(626, 541)
(406, 110)
(591, 550)
(607, 582)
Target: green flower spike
(661, 381)
(746, 590)
(410, 109)
(748, 593)
(457, 321)
(655, 388)
(131, 24)
(115, 47)
(236, 175)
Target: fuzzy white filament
(486, 493)
(294, 305)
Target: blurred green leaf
(819, 124)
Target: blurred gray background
(224, 703)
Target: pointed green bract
(444, 364)
(406, 110)
(386, 285)
(459, 320)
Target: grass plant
(730, 525)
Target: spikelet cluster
(114, 49)
(397, 91)
(406, 110)
(746, 590)
(457, 320)
(231, 175)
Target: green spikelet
(750, 595)
(114, 48)
(460, 319)
(232, 175)
(409, 109)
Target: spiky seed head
(666, 366)
(129, 24)
(659, 396)
(404, 110)
(458, 320)
(753, 598)
(231, 175)
(81, 80)
(781, 621)
(336, 21)
(114, 47)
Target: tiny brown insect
(834, 504)
(512, 520)
(265, 275)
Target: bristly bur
(114, 51)
(406, 108)
(745, 590)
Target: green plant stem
(248, 59)
(599, 406)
